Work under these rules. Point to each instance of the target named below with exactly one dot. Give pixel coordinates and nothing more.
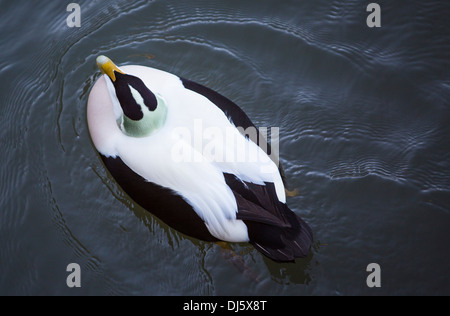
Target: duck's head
(139, 111)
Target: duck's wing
(236, 116)
(234, 113)
(273, 229)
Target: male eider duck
(178, 150)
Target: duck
(183, 152)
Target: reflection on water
(364, 124)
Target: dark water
(364, 117)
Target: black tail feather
(273, 229)
(281, 244)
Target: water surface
(364, 119)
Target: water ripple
(359, 109)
